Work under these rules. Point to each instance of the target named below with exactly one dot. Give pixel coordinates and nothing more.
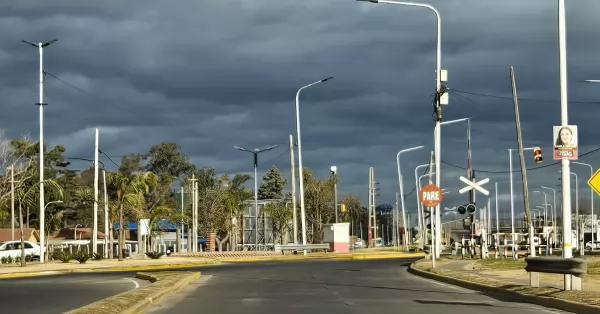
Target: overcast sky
(211, 74)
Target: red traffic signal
(537, 155)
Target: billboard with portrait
(565, 142)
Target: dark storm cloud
(212, 74)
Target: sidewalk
(517, 276)
(57, 266)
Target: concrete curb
(142, 305)
(103, 269)
(543, 301)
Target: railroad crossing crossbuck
(474, 185)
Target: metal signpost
(431, 196)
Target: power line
(528, 169)
(520, 98)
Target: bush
(4, 260)
(64, 257)
(98, 256)
(155, 255)
(82, 257)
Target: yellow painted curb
(103, 269)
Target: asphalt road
(61, 293)
(329, 286)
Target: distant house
(29, 234)
(69, 234)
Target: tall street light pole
(591, 200)
(255, 153)
(420, 213)
(41, 46)
(300, 169)
(401, 186)
(553, 208)
(545, 207)
(564, 121)
(438, 94)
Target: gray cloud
(212, 74)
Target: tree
(234, 199)
(318, 200)
(166, 159)
(279, 216)
(128, 193)
(272, 185)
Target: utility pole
(522, 161)
(192, 233)
(107, 235)
(295, 209)
(95, 214)
(12, 202)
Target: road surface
(61, 293)
(329, 286)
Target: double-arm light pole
(255, 153)
(41, 46)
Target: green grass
(501, 264)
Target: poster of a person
(565, 142)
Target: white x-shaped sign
(474, 185)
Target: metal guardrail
(557, 265)
(301, 247)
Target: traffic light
(537, 154)
(463, 209)
(343, 208)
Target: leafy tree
(166, 159)
(318, 198)
(279, 216)
(272, 185)
(128, 193)
(234, 199)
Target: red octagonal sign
(431, 195)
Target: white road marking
(137, 285)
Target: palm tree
(29, 197)
(129, 193)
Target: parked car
(13, 249)
(588, 245)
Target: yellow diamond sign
(594, 182)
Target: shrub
(98, 256)
(64, 257)
(4, 260)
(154, 255)
(82, 257)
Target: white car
(13, 249)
